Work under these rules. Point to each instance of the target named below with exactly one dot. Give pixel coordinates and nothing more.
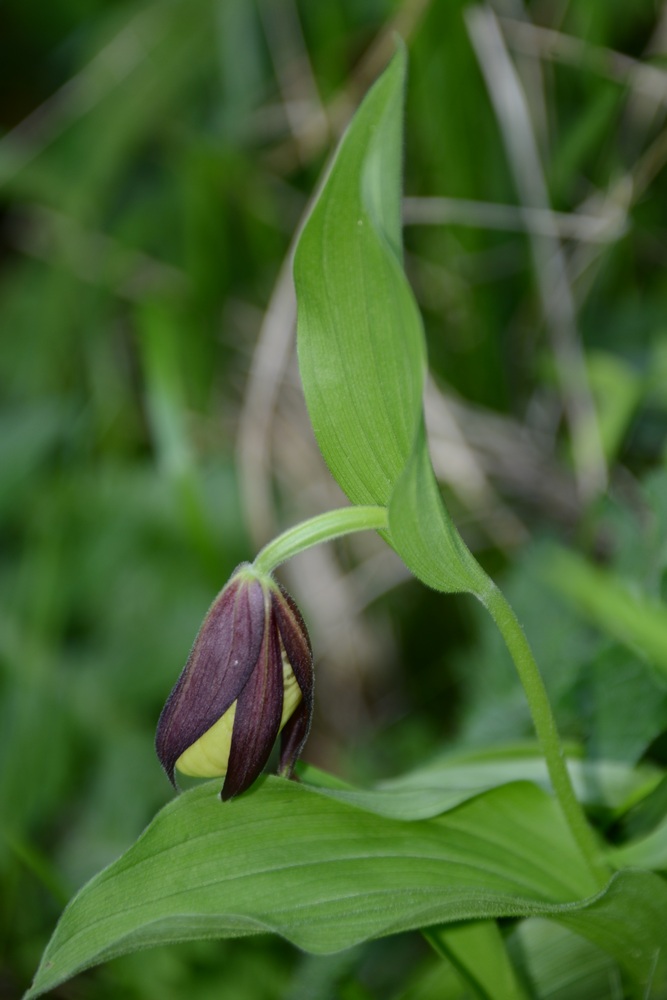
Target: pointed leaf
(361, 344)
(285, 858)
(361, 351)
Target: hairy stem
(545, 727)
(323, 528)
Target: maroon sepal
(222, 659)
(237, 657)
(296, 642)
(257, 718)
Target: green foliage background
(155, 164)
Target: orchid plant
(321, 863)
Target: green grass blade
(477, 950)
(634, 619)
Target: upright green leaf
(633, 618)
(361, 351)
(361, 344)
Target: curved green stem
(336, 523)
(545, 728)
(323, 528)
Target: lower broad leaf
(323, 874)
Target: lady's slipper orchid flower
(249, 677)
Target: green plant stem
(545, 727)
(335, 524)
(323, 528)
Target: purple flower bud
(249, 676)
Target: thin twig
(269, 363)
(513, 456)
(545, 43)
(603, 228)
(303, 108)
(340, 108)
(464, 473)
(276, 336)
(551, 269)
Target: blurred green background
(155, 162)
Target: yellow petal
(208, 756)
(291, 691)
